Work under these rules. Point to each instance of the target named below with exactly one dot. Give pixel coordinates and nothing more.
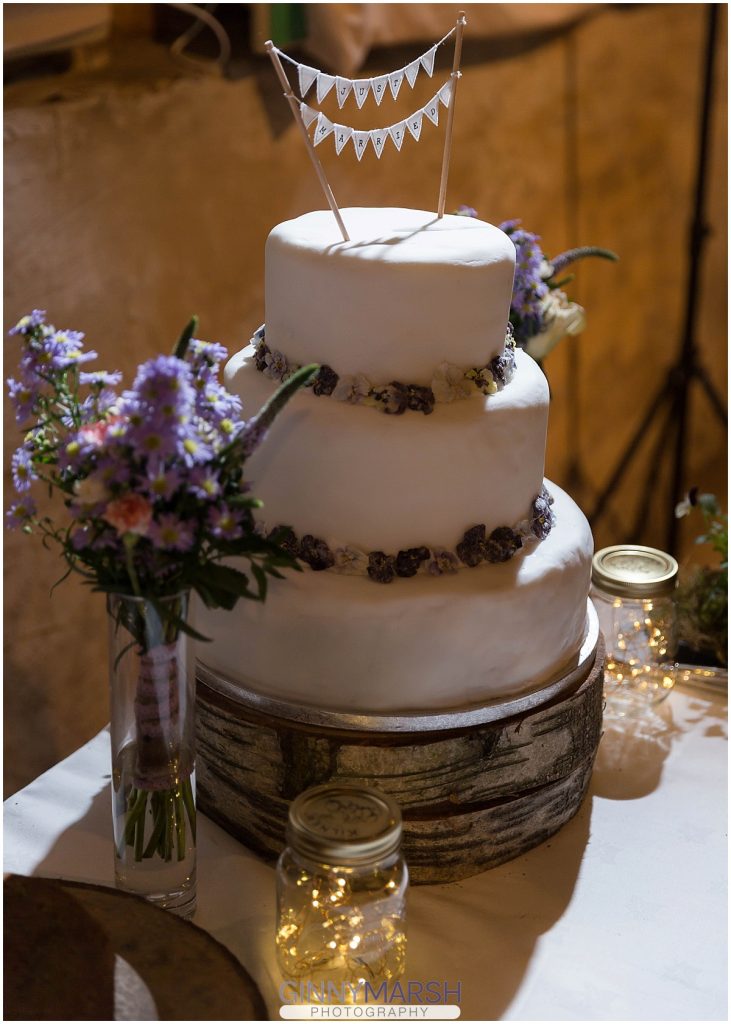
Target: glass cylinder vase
(152, 683)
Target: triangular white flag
(398, 133)
(427, 61)
(445, 93)
(378, 139)
(395, 80)
(432, 110)
(306, 77)
(361, 88)
(379, 86)
(342, 88)
(414, 124)
(411, 71)
(342, 137)
(324, 85)
(308, 114)
(322, 129)
(360, 141)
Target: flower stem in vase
(154, 762)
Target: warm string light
(348, 933)
(642, 641)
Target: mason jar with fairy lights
(632, 590)
(341, 888)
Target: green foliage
(703, 598)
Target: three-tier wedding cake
(440, 570)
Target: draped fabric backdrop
(138, 193)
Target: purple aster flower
(224, 523)
(23, 397)
(27, 323)
(20, 513)
(194, 448)
(71, 455)
(160, 409)
(150, 438)
(213, 398)
(113, 467)
(91, 538)
(164, 379)
(162, 480)
(105, 401)
(204, 482)
(206, 355)
(101, 378)
(53, 353)
(81, 537)
(466, 211)
(95, 407)
(88, 440)
(23, 472)
(172, 533)
(529, 286)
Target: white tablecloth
(621, 916)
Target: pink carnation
(95, 433)
(130, 514)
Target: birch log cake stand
(477, 786)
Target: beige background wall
(137, 195)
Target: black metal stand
(672, 399)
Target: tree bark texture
(471, 798)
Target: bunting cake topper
(377, 137)
(360, 89)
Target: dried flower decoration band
(449, 383)
(476, 547)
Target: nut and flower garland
(476, 547)
(449, 382)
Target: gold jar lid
(632, 570)
(344, 824)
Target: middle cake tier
(350, 474)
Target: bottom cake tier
(348, 644)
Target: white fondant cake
(447, 580)
(353, 475)
(420, 644)
(405, 293)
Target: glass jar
(341, 888)
(152, 684)
(632, 590)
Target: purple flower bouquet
(155, 505)
(541, 313)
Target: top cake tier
(405, 294)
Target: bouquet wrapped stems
(153, 743)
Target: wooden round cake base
(475, 791)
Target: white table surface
(621, 916)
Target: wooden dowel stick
(297, 114)
(461, 22)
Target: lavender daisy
(224, 523)
(171, 532)
(23, 472)
(20, 513)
